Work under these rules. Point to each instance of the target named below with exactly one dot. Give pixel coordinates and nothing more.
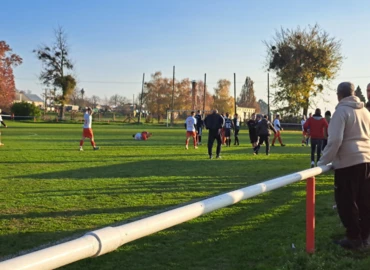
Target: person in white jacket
(348, 150)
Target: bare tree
(56, 65)
(95, 100)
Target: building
(22, 96)
(244, 113)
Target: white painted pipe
(105, 240)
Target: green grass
(49, 191)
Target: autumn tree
(200, 97)
(8, 60)
(247, 97)
(303, 60)
(56, 67)
(223, 102)
(158, 95)
(359, 94)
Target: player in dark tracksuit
(214, 123)
(236, 129)
(263, 132)
(228, 126)
(252, 130)
(199, 127)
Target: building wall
(245, 113)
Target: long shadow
(162, 168)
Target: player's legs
(236, 135)
(187, 140)
(267, 142)
(218, 150)
(211, 139)
(194, 135)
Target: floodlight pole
(204, 94)
(268, 95)
(141, 99)
(173, 95)
(234, 93)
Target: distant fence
(107, 239)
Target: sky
(113, 42)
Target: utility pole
(268, 95)
(173, 96)
(234, 93)
(141, 99)
(204, 94)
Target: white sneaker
(195, 147)
(186, 147)
(81, 149)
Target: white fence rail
(107, 239)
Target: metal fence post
(310, 215)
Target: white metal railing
(107, 239)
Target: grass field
(49, 191)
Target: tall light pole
(141, 99)
(82, 94)
(173, 95)
(268, 94)
(234, 93)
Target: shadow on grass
(186, 168)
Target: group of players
(195, 124)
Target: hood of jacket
(351, 101)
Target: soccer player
(87, 130)
(318, 127)
(2, 123)
(142, 136)
(304, 133)
(228, 126)
(278, 128)
(223, 138)
(214, 123)
(190, 125)
(236, 129)
(263, 132)
(199, 127)
(252, 130)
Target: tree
(158, 96)
(222, 99)
(56, 65)
(200, 97)
(247, 97)
(7, 84)
(263, 106)
(117, 100)
(303, 61)
(95, 100)
(359, 94)
(25, 109)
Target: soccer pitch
(50, 191)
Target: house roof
(33, 97)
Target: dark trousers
(263, 139)
(324, 144)
(316, 144)
(352, 195)
(236, 135)
(214, 134)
